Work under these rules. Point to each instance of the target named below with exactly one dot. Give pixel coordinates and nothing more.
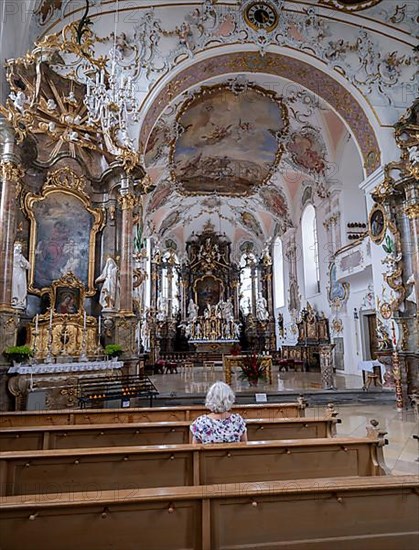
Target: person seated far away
(220, 425)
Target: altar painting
(62, 239)
(208, 290)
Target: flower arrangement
(252, 369)
(235, 349)
(113, 350)
(18, 353)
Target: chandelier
(111, 103)
(110, 98)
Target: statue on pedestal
(109, 294)
(192, 310)
(262, 313)
(19, 280)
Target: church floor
(199, 380)
(401, 452)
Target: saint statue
(262, 314)
(109, 294)
(192, 310)
(19, 281)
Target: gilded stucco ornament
(48, 97)
(10, 171)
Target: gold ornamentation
(404, 344)
(127, 201)
(350, 5)
(337, 325)
(385, 310)
(412, 211)
(65, 178)
(11, 172)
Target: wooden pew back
(31, 472)
(152, 433)
(345, 513)
(145, 414)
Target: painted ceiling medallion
(351, 5)
(229, 140)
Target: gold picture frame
(63, 229)
(377, 223)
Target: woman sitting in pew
(220, 426)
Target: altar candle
(50, 317)
(100, 325)
(36, 322)
(84, 320)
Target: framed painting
(63, 232)
(67, 300)
(377, 223)
(208, 290)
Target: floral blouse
(211, 430)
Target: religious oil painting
(208, 290)
(67, 300)
(274, 201)
(63, 228)
(229, 142)
(307, 152)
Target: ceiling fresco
(229, 140)
(286, 135)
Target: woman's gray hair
(220, 398)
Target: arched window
(246, 296)
(310, 251)
(278, 261)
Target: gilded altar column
(127, 202)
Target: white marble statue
(192, 310)
(413, 155)
(228, 310)
(19, 281)
(109, 293)
(261, 309)
(412, 294)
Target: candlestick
(100, 325)
(84, 320)
(36, 322)
(50, 317)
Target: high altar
(198, 300)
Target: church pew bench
(29, 472)
(144, 414)
(376, 513)
(152, 433)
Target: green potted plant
(113, 350)
(252, 369)
(18, 354)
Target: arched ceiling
(240, 109)
(285, 138)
